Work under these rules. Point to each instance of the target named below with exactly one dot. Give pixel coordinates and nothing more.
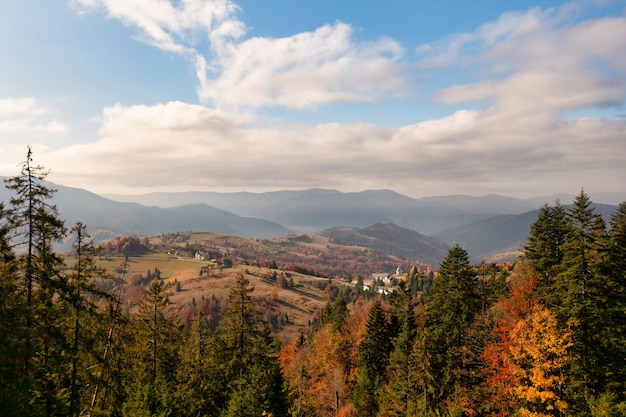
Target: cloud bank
(524, 120)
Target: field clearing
(299, 304)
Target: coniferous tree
(35, 226)
(197, 392)
(399, 391)
(451, 309)
(580, 298)
(250, 356)
(87, 331)
(544, 247)
(152, 356)
(11, 330)
(612, 325)
(374, 353)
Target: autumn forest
(544, 336)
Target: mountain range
(485, 226)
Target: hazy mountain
(102, 214)
(319, 209)
(487, 237)
(391, 239)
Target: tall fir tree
(399, 392)
(35, 225)
(152, 357)
(451, 309)
(544, 246)
(374, 353)
(612, 324)
(580, 300)
(252, 373)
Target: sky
(523, 98)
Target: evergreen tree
(612, 324)
(197, 392)
(399, 391)
(580, 293)
(35, 226)
(374, 353)
(450, 312)
(250, 357)
(544, 246)
(152, 357)
(12, 399)
(86, 330)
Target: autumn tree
(500, 372)
(542, 351)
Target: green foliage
(451, 309)
(374, 353)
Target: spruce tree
(87, 332)
(544, 246)
(251, 369)
(580, 290)
(152, 359)
(35, 226)
(12, 399)
(450, 311)
(399, 392)
(374, 353)
(612, 324)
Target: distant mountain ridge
(318, 209)
(132, 218)
(485, 225)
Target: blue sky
(517, 98)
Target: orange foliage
(286, 355)
(501, 372)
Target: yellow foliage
(542, 351)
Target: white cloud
(527, 69)
(300, 71)
(26, 116)
(179, 146)
(171, 27)
(305, 70)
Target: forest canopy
(544, 337)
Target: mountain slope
(132, 218)
(391, 239)
(505, 233)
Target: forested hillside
(543, 337)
